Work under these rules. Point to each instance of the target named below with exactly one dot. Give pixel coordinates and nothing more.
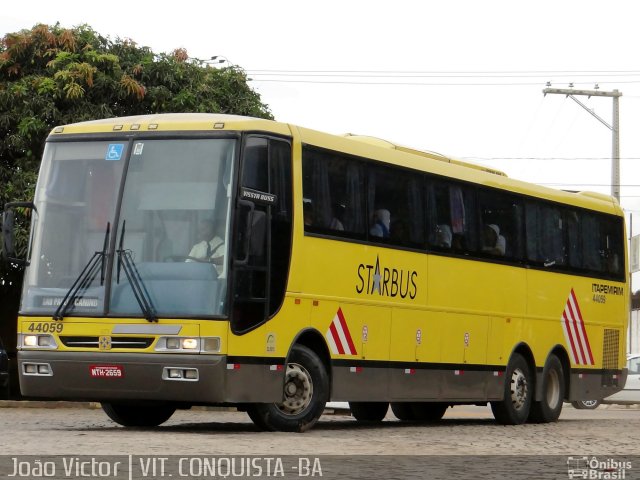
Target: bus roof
(359, 145)
(167, 122)
(433, 155)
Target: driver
(210, 248)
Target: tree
(52, 76)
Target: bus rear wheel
(402, 411)
(419, 411)
(369, 411)
(548, 409)
(428, 411)
(306, 390)
(514, 408)
(136, 415)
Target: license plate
(106, 371)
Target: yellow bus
(201, 259)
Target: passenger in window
(381, 224)
(444, 237)
(210, 248)
(338, 217)
(493, 242)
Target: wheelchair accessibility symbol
(114, 151)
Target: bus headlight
(179, 343)
(188, 344)
(211, 345)
(37, 341)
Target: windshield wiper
(85, 279)
(140, 292)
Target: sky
(461, 77)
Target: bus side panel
(587, 317)
(358, 340)
(416, 338)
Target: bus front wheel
(132, 415)
(514, 408)
(306, 390)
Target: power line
(433, 84)
(436, 78)
(414, 75)
(521, 73)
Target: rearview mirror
(8, 231)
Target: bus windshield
(167, 243)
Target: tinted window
(334, 194)
(362, 199)
(545, 234)
(280, 179)
(396, 206)
(501, 220)
(255, 173)
(452, 218)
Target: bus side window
(396, 206)
(255, 170)
(452, 217)
(281, 222)
(334, 195)
(501, 216)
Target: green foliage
(53, 76)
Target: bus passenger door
(262, 242)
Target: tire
(369, 411)
(514, 408)
(428, 412)
(306, 391)
(403, 411)
(131, 415)
(586, 404)
(552, 388)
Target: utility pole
(615, 128)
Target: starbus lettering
(387, 282)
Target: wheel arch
(524, 350)
(313, 340)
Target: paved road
(463, 431)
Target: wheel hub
(298, 390)
(519, 389)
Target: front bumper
(145, 378)
(142, 377)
